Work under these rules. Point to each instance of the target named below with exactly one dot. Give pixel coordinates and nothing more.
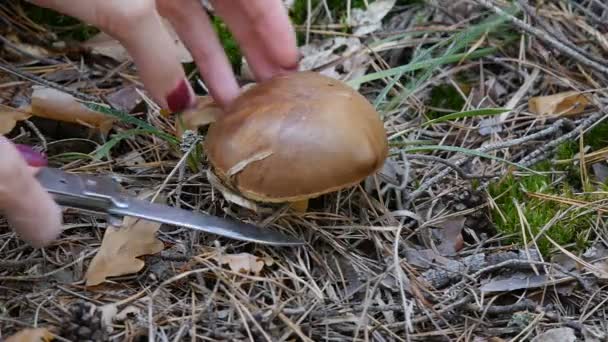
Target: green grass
(513, 191)
(230, 45)
(570, 230)
(445, 96)
(597, 137)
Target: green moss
(597, 137)
(570, 230)
(445, 96)
(566, 150)
(299, 10)
(230, 45)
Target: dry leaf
(205, 112)
(557, 334)
(9, 118)
(54, 104)
(106, 45)
(352, 56)
(110, 313)
(31, 335)
(125, 99)
(450, 233)
(566, 103)
(120, 249)
(244, 262)
(124, 314)
(369, 20)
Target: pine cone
(84, 324)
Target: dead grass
(414, 254)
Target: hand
(28, 207)
(261, 27)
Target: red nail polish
(32, 157)
(180, 98)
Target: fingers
(142, 33)
(28, 208)
(264, 33)
(194, 28)
(138, 26)
(261, 27)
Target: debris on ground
(486, 223)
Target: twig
(11, 264)
(41, 81)
(508, 143)
(19, 50)
(563, 39)
(526, 161)
(574, 54)
(456, 168)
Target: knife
(102, 194)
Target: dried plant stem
(572, 53)
(33, 78)
(504, 144)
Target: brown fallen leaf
(565, 334)
(451, 235)
(566, 104)
(244, 262)
(9, 118)
(125, 99)
(105, 45)
(204, 113)
(31, 335)
(121, 247)
(54, 104)
(319, 54)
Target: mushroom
(296, 137)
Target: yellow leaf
(244, 262)
(566, 103)
(120, 249)
(9, 118)
(205, 112)
(54, 104)
(31, 335)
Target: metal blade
(205, 223)
(101, 194)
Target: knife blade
(103, 194)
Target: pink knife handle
(33, 158)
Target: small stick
(431, 181)
(33, 78)
(545, 37)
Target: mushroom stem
(300, 206)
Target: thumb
(29, 209)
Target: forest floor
(486, 222)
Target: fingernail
(32, 157)
(181, 97)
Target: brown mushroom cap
(299, 136)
